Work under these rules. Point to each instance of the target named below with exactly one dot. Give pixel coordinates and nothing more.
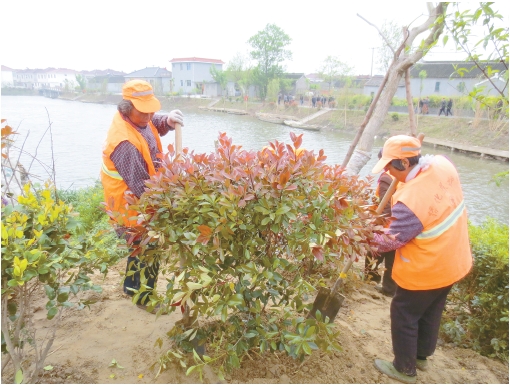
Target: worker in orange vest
(387, 286)
(430, 235)
(131, 155)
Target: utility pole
(372, 66)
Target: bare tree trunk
(362, 153)
(397, 69)
(410, 106)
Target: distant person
(449, 107)
(131, 155)
(301, 99)
(426, 105)
(420, 105)
(279, 98)
(429, 231)
(314, 100)
(443, 107)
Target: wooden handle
(178, 140)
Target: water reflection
(79, 129)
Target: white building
(193, 76)
(45, 78)
(7, 79)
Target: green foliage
(219, 76)
(333, 69)
(94, 224)
(87, 202)
(477, 313)
(273, 88)
(239, 234)
(499, 178)
(239, 71)
(356, 101)
(82, 82)
(492, 47)
(395, 116)
(286, 85)
(39, 253)
(269, 51)
(398, 101)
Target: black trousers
(388, 285)
(415, 318)
(150, 272)
(133, 281)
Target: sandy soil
(113, 328)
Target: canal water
(79, 129)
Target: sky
(131, 35)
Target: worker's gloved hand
(175, 116)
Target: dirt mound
(113, 328)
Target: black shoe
(380, 289)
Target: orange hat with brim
(140, 93)
(397, 147)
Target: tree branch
(431, 39)
(380, 33)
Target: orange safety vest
(113, 184)
(441, 254)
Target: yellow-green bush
(477, 312)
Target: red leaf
(205, 230)
(284, 177)
(171, 148)
(203, 239)
(298, 141)
(317, 253)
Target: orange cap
(397, 147)
(140, 93)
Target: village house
(192, 76)
(372, 86)
(160, 79)
(441, 78)
(109, 83)
(7, 77)
(45, 78)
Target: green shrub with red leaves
(241, 236)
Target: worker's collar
(413, 173)
(423, 164)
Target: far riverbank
(470, 132)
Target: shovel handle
(178, 140)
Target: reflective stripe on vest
(113, 174)
(445, 224)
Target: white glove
(175, 117)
